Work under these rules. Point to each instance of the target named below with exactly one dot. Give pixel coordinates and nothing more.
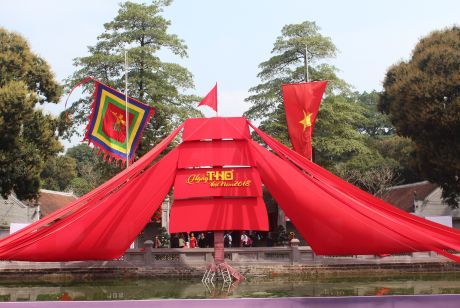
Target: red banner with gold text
(217, 182)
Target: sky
(227, 40)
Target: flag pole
(308, 80)
(306, 62)
(126, 109)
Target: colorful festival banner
(106, 129)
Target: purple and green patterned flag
(106, 129)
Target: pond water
(124, 289)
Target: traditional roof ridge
(409, 185)
(12, 199)
(62, 193)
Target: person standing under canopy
(193, 241)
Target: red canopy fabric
(95, 194)
(218, 214)
(216, 128)
(102, 230)
(202, 186)
(387, 229)
(15, 246)
(335, 217)
(215, 153)
(328, 224)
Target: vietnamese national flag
(210, 99)
(301, 103)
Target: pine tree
(141, 31)
(336, 132)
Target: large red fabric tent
(217, 173)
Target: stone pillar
(281, 221)
(165, 208)
(148, 249)
(295, 254)
(208, 257)
(219, 256)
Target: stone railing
(288, 255)
(236, 256)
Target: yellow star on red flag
(306, 121)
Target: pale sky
(228, 39)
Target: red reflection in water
(382, 291)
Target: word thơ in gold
(224, 178)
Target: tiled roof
(51, 201)
(403, 196)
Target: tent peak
(216, 128)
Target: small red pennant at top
(210, 99)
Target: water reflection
(123, 289)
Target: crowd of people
(231, 239)
(189, 240)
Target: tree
(140, 30)
(389, 158)
(373, 180)
(375, 123)
(91, 171)
(288, 65)
(336, 133)
(58, 173)
(400, 150)
(422, 98)
(389, 153)
(352, 139)
(80, 186)
(27, 136)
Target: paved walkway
(415, 301)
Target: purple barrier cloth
(404, 301)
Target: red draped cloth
(103, 223)
(217, 173)
(337, 218)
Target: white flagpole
(306, 62)
(126, 109)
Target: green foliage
(287, 65)
(351, 138)
(337, 137)
(401, 151)
(387, 159)
(373, 123)
(422, 98)
(140, 30)
(80, 186)
(58, 173)
(91, 169)
(371, 172)
(27, 136)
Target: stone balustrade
(238, 256)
